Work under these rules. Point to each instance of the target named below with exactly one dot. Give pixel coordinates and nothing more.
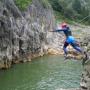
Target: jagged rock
(85, 82)
(53, 51)
(23, 37)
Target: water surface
(43, 73)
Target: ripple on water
(45, 73)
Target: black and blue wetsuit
(69, 39)
(66, 31)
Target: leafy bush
(56, 5)
(23, 4)
(72, 9)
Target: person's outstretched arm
(58, 30)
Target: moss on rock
(23, 4)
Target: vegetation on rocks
(72, 9)
(68, 10)
(22, 4)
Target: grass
(23, 4)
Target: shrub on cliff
(22, 4)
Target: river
(43, 73)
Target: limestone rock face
(85, 82)
(23, 35)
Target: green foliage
(61, 18)
(45, 3)
(23, 4)
(66, 9)
(56, 5)
(72, 9)
(77, 6)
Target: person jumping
(70, 40)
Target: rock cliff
(23, 35)
(85, 81)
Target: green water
(45, 73)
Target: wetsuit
(69, 40)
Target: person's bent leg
(84, 53)
(65, 48)
(76, 47)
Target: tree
(77, 6)
(55, 4)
